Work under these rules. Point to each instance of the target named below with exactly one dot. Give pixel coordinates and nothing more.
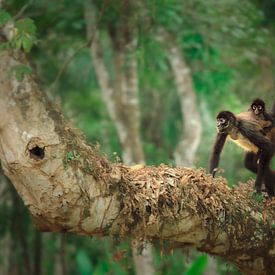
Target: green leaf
(17, 43)
(83, 263)
(4, 17)
(27, 44)
(25, 36)
(198, 266)
(26, 25)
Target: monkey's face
(222, 124)
(257, 106)
(257, 109)
(225, 121)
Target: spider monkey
(248, 134)
(258, 111)
(267, 120)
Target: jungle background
(146, 69)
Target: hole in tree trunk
(37, 153)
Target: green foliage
(71, 156)
(166, 13)
(170, 264)
(225, 268)
(198, 266)
(258, 197)
(83, 262)
(4, 17)
(25, 34)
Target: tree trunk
(192, 127)
(123, 106)
(68, 186)
(60, 261)
(37, 253)
(191, 121)
(121, 97)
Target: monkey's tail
(273, 110)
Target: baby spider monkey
(267, 121)
(258, 111)
(246, 132)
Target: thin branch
(21, 11)
(88, 43)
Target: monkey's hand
(214, 172)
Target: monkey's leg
(250, 162)
(263, 169)
(269, 181)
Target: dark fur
(250, 163)
(267, 120)
(258, 101)
(251, 159)
(215, 159)
(273, 111)
(247, 134)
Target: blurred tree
(121, 97)
(191, 135)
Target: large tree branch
(68, 186)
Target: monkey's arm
(217, 149)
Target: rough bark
(68, 186)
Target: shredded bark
(161, 193)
